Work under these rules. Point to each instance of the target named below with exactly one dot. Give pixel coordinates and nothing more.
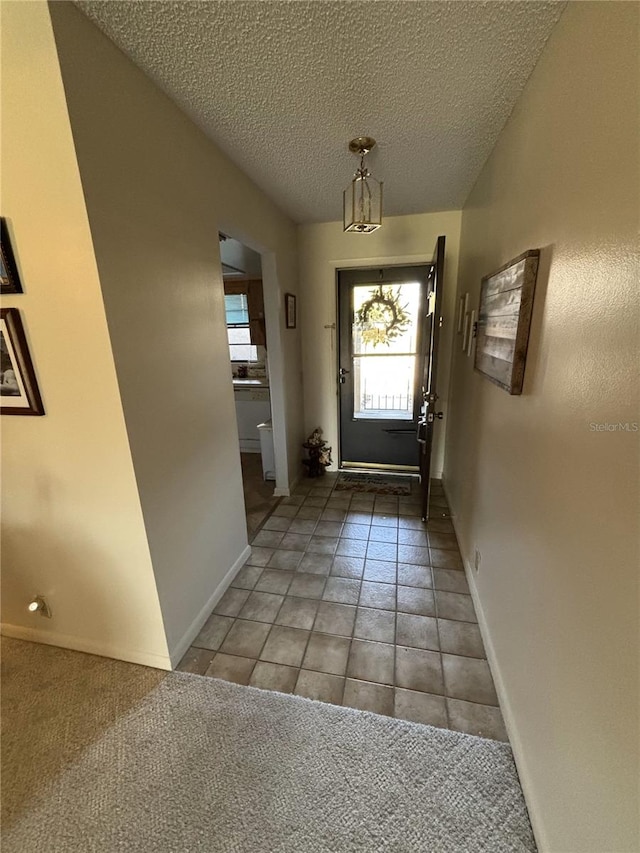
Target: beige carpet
(101, 756)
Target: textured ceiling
(283, 86)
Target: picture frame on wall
(9, 276)
(19, 392)
(290, 310)
(504, 320)
(463, 303)
(466, 330)
(472, 331)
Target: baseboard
(519, 756)
(287, 490)
(181, 647)
(79, 644)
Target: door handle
(342, 375)
(421, 433)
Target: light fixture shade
(362, 204)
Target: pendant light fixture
(362, 200)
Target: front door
(381, 364)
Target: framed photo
(290, 310)
(506, 304)
(466, 331)
(472, 331)
(19, 394)
(463, 304)
(9, 278)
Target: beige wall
(324, 248)
(157, 193)
(552, 505)
(71, 516)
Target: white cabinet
(266, 448)
(253, 407)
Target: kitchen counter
(251, 383)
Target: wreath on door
(382, 318)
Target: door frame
(349, 266)
(429, 394)
(274, 325)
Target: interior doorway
(382, 352)
(248, 339)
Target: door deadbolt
(342, 375)
(433, 415)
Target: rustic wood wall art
(506, 302)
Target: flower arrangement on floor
(319, 454)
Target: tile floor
(258, 493)
(349, 598)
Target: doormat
(376, 484)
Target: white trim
(274, 320)
(347, 264)
(382, 261)
(79, 644)
(519, 756)
(286, 492)
(180, 649)
(109, 650)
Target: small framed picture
(290, 310)
(19, 394)
(463, 303)
(9, 278)
(473, 317)
(466, 331)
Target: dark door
(429, 415)
(382, 350)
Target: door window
(385, 350)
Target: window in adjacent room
(238, 329)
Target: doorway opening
(382, 352)
(248, 356)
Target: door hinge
(431, 304)
(441, 323)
